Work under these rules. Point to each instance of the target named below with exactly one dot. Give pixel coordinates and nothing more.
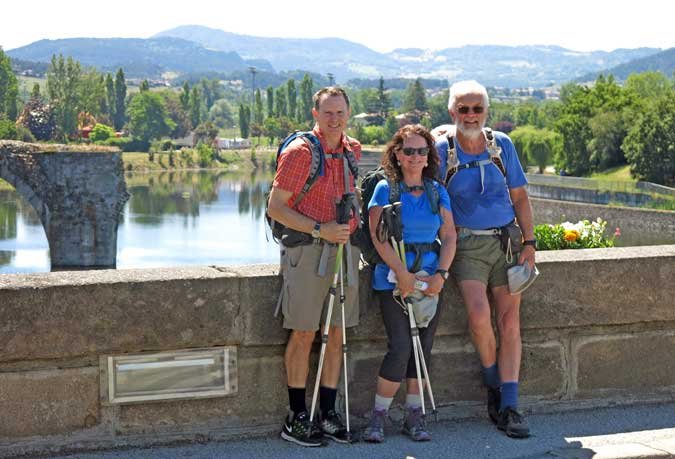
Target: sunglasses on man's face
(409, 151)
(478, 109)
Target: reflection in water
(23, 244)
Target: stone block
(638, 363)
(543, 370)
(48, 402)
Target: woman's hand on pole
(435, 282)
(406, 282)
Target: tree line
(590, 128)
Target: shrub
(101, 132)
(7, 130)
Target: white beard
(471, 133)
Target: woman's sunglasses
(409, 151)
(478, 109)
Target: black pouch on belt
(511, 238)
(293, 238)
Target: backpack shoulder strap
(394, 191)
(432, 194)
(494, 149)
(452, 160)
(351, 159)
(317, 164)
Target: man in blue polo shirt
(486, 184)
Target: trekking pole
(344, 349)
(324, 336)
(414, 331)
(417, 342)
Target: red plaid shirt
(293, 170)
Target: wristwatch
(532, 242)
(444, 273)
(316, 232)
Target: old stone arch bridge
(78, 193)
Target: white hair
(463, 88)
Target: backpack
(369, 254)
(453, 165)
(316, 170)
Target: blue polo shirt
(486, 205)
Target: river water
(178, 218)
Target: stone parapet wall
(598, 328)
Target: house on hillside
(233, 144)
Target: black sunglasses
(409, 151)
(478, 109)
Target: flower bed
(581, 235)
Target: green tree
(244, 120)
(92, 93)
(211, 91)
(280, 101)
(145, 86)
(185, 96)
(648, 86)
(438, 109)
(535, 146)
(7, 129)
(415, 97)
(120, 100)
(35, 92)
(206, 133)
(270, 101)
(608, 130)
(221, 114)
(650, 143)
(390, 126)
(63, 82)
(9, 88)
(180, 117)
(195, 107)
(148, 117)
(305, 104)
(258, 115)
(292, 97)
(110, 96)
(383, 102)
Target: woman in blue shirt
(409, 160)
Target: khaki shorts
(481, 258)
(306, 294)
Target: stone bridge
(78, 193)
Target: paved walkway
(640, 431)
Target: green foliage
(581, 235)
(258, 115)
(608, 130)
(415, 97)
(63, 82)
(9, 88)
(270, 101)
(305, 103)
(221, 114)
(148, 117)
(383, 101)
(206, 154)
(390, 126)
(7, 129)
(120, 116)
(374, 135)
(535, 146)
(101, 132)
(280, 101)
(244, 120)
(206, 133)
(650, 143)
(438, 109)
(292, 97)
(195, 107)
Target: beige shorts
(306, 294)
(481, 258)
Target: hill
(663, 62)
(138, 57)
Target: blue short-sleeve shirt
(420, 225)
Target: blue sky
(580, 25)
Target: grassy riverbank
(232, 160)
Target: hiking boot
(299, 429)
(513, 423)
(332, 427)
(494, 399)
(374, 433)
(415, 425)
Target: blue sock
(509, 395)
(491, 376)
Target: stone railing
(598, 327)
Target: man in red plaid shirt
(305, 294)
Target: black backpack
(316, 169)
(369, 254)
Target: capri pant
(399, 362)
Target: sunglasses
(409, 151)
(478, 109)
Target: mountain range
(198, 49)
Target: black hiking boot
(494, 399)
(332, 427)
(300, 430)
(513, 423)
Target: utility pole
(331, 81)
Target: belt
(464, 231)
